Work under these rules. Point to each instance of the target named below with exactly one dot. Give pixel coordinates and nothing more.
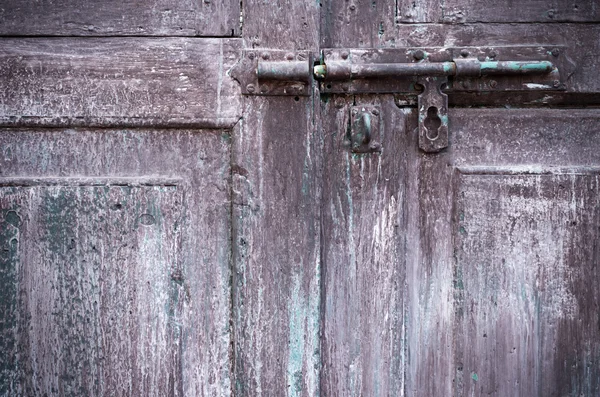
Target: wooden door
(473, 271)
(163, 234)
(159, 232)
(115, 199)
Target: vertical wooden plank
(363, 231)
(282, 25)
(429, 271)
(276, 249)
(358, 23)
(275, 171)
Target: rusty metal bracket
(433, 115)
(364, 129)
(274, 72)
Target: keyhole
(432, 123)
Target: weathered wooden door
(472, 271)
(159, 232)
(170, 225)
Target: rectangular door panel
(117, 82)
(115, 261)
(507, 220)
(120, 18)
(526, 283)
(91, 304)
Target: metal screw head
(555, 52)
(492, 54)
(251, 55)
(352, 7)
(464, 53)
(265, 55)
(419, 54)
(344, 54)
(250, 88)
(289, 56)
(375, 112)
(493, 83)
(556, 83)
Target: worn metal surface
(119, 82)
(433, 115)
(274, 72)
(493, 69)
(120, 18)
(115, 263)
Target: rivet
(493, 83)
(556, 83)
(352, 7)
(375, 112)
(289, 56)
(265, 55)
(419, 54)
(493, 55)
(344, 54)
(250, 87)
(555, 52)
(251, 55)
(464, 53)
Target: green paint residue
(297, 314)
(474, 377)
(9, 262)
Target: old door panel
(508, 223)
(526, 283)
(115, 82)
(118, 18)
(363, 229)
(116, 272)
(88, 282)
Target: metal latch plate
(553, 81)
(274, 72)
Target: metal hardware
(405, 71)
(468, 69)
(433, 115)
(273, 72)
(364, 126)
